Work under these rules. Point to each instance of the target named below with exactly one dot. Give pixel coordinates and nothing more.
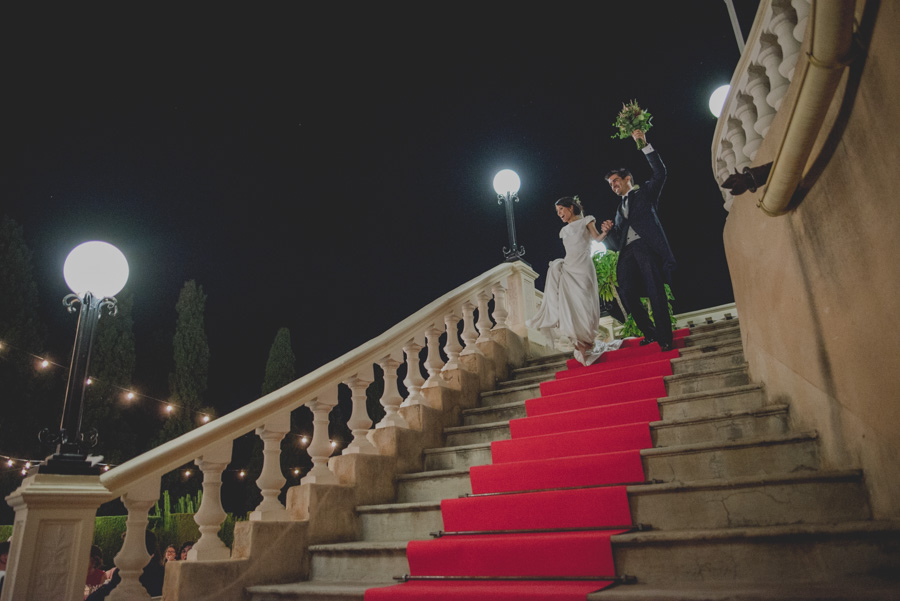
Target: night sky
(330, 169)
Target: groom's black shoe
(647, 340)
(666, 347)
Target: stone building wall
(818, 289)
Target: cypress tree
(280, 368)
(30, 400)
(111, 371)
(188, 384)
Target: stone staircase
(737, 504)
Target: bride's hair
(570, 203)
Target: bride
(571, 304)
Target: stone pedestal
(51, 539)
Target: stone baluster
(770, 58)
(271, 478)
(433, 363)
(484, 322)
(452, 347)
(391, 399)
(133, 556)
(501, 311)
(783, 21)
(211, 514)
(320, 448)
(414, 379)
(734, 131)
(726, 152)
(469, 333)
(801, 7)
(758, 88)
(746, 112)
(359, 423)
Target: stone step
(493, 413)
(700, 327)
(771, 500)
(477, 433)
(717, 402)
(784, 554)
(710, 360)
(531, 370)
(688, 383)
(433, 485)
(783, 454)
(358, 561)
(512, 394)
(400, 521)
(756, 422)
(463, 456)
(311, 591)
(870, 590)
(708, 460)
(771, 420)
(719, 336)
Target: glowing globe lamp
(506, 182)
(717, 100)
(96, 267)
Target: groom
(645, 259)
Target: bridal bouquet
(630, 118)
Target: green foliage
(188, 383)
(5, 533)
(170, 528)
(112, 368)
(605, 265)
(281, 366)
(630, 118)
(30, 403)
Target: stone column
(433, 362)
(414, 380)
(501, 312)
(133, 557)
(271, 478)
(391, 398)
(211, 514)
(452, 347)
(359, 419)
(484, 322)
(51, 539)
(320, 448)
(521, 298)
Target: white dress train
(571, 305)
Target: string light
(27, 465)
(129, 395)
(187, 473)
(242, 473)
(304, 439)
(205, 419)
(45, 364)
(10, 463)
(296, 471)
(106, 468)
(89, 381)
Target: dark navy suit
(646, 263)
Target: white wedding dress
(571, 305)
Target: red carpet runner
(541, 516)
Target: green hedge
(5, 532)
(177, 529)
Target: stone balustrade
(758, 86)
(497, 301)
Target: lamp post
(506, 185)
(95, 272)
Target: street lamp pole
(506, 185)
(100, 267)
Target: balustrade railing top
(758, 86)
(186, 448)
